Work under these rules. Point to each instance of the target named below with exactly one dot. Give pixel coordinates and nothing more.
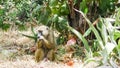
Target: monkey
(45, 44)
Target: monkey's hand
(47, 43)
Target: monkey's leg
(39, 54)
(51, 55)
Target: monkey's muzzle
(39, 35)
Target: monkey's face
(43, 31)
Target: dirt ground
(12, 53)
(28, 62)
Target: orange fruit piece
(70, 63)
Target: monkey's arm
(39, 44)
(48, 44)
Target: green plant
(85, 42)
(3, 25)
(32, 37)
(104, 36)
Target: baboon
(45, 44)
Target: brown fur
(45, 44)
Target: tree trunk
(74, 18)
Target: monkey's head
(43, 31)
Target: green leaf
(55, 18)
(103, 30)
(118, 47)
(109, 47)
(56, 10)
(87, 32)
(90, 60)
(53, 2)
(1, 21)
(106, 51)
(116, 34)
(86, 10)
(93, 29)
(32, 37)
(83, 6)
(64, 10)
(104, 54)
(5, 26)
(113, 62)
(1, 12)
(21, 27)
(33, 31)
(37, 8)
